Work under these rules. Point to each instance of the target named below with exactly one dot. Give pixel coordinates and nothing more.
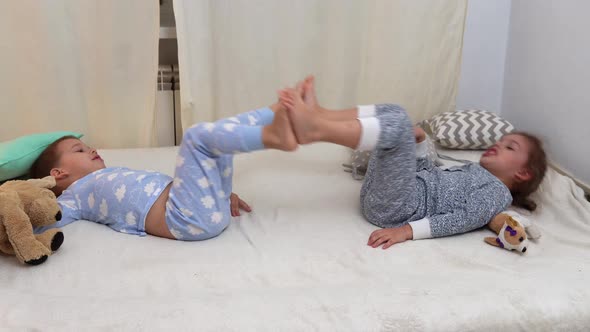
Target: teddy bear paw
(57, 241)
(37, 261)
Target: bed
(300, 262)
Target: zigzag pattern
(469, 129)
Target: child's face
(77, 159)
(508, 158)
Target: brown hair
(537, 165)
(47, 160)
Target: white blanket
(300, 262)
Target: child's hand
(419, 134)
(390, 236)
(236, 204)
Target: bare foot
(303, 120)
(309, 95)
(299, 88)
(279, 134)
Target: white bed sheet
(300, 262)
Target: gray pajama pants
(390, 195)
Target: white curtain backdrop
(82, 65)
(235, 54)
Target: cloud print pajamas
(198, 206)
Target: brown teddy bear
(511, 234)
(23, 206)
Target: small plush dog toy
(511, 234)
(23, 206)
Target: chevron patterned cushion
(468, 129)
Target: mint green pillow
(17, 156)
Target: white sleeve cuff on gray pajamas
(421, 149)
(421, 229)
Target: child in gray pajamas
(403, 192)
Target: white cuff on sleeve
(366, 111)
(370, 129)
(421, 229)
(421, 149)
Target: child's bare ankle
(279, 134)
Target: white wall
(547, 80)
(484, 53)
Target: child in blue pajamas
(402, 192)
(194, 205)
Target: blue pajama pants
(198, 206)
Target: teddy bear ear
(511, 222)
(492, 241)
(46, 182)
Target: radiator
(168, 128)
